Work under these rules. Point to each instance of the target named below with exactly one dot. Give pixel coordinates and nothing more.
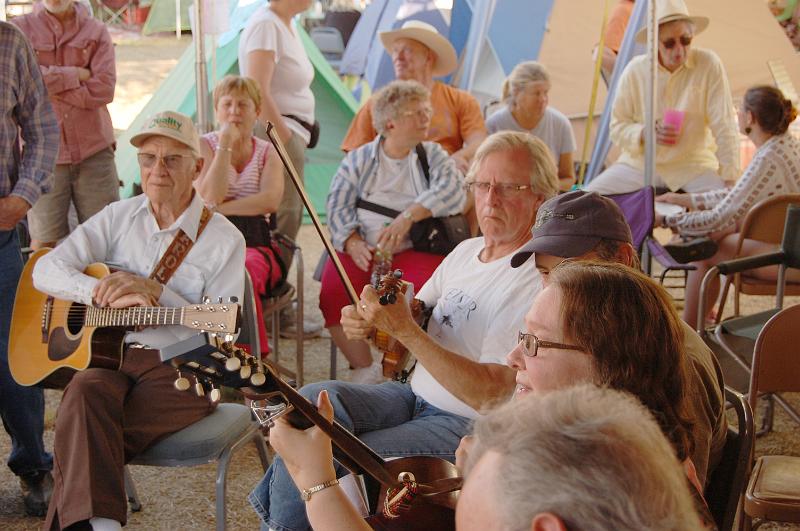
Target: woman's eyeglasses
(671, 42)
(531, 343)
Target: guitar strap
(177, 251)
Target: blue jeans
(388, 417)
(21, 408)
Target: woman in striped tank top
(242, 178)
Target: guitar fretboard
(137, 316)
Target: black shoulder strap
(423, 161)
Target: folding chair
(330, 43)
(764, 222)
(773, 492)
(726, 483)
(639, 210)
(284, 296)
(737, 337)
(114, 11)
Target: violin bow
(287, 163)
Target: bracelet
(306, 494)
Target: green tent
(162, 16)
(335, 108)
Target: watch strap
(306, 494)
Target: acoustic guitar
(51, 339)
(416, 493)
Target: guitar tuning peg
(233, 363)
(219, 300)
(245, 371)
(233, 300)
(199, 390)
(258, 378)
(181, 382)
(397, 273)
(215, 394)
(206, 300)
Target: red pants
(264, 274)
(417, 268)
(105, 419)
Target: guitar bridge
(47, 314)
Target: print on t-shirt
(454, 309)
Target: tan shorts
(90, 185)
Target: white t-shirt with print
(293, 74)
(479, 309)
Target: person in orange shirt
(419, 53)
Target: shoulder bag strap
(177, 251)
(423, 161)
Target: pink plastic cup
(673, 117)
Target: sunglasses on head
(671, 42)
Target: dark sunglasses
(671, 42)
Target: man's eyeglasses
(671, 42)
(171, 162)
(531, 343)
(423, 113)
(504, 190)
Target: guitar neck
(136, 316)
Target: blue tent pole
(478, 32)
(627, 50)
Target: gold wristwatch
(306, 494)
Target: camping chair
(330, 43)
(773, 492)
(114, 11)
(283, 296)
(727, 481)
(737, 337)
(213, 438)
(639, 210)
(764, 222)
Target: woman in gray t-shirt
(525, 93)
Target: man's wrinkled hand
(116, 290)
(394, 319)
(353, 325)
(12, 210)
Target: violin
(396, 355)
(417, 493)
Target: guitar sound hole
(76, 316)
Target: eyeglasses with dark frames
(530, 340)
(671, 42)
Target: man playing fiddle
(478, 301)
(107, 417)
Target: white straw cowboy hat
(670, 11)
(446, 60)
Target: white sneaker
(368, 375)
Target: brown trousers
(105, 419)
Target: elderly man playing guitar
(478, 301)
(168, 250)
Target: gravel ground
(183, 498)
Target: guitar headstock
(205, 362)
(220, 318)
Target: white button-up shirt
(709, 139)
(126, 236)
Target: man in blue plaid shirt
(25, 174)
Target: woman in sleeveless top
(242, 178)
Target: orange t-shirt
(456, 115)
(617, 22)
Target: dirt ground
(183, 498)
